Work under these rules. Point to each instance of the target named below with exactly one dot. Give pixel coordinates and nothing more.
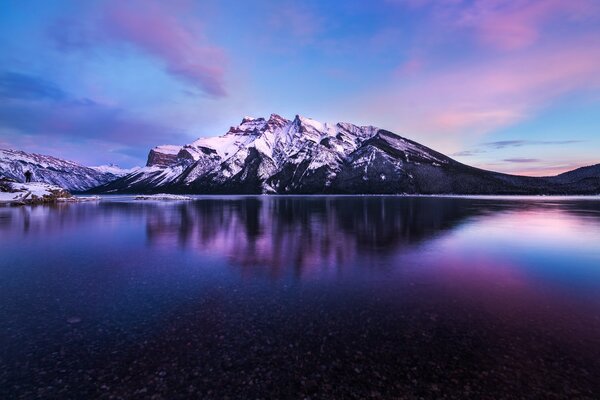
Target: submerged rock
(162, 196)
(78, 199)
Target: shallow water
(294, 297)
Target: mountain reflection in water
(301, 233)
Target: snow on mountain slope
(51, 170)
(114, 170)
(277, 155)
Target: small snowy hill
(54, 171)
(30, 193)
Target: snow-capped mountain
(114, 169)
(277, 155)
(253, 157)
(52, 170)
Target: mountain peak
(276, 117)
(305, 124)
(276, 121)
(247, 119)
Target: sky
(507, 85)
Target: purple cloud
(521, 160)
(467, 153)
(501, 144)
(15, 85)
(33, 107)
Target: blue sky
(512, 86)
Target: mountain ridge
(303, 156)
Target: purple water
(296, 297)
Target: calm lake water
(301, 297)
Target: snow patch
(167, 149)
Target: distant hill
(55, 171)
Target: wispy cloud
(521, 160)
(501, 144)
(467, 153)
(490, 147)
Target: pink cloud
(410, 67)
(476, 98)
(518, 23)
(159, 32)
(502, 24)
(421, 3)
(539, 168)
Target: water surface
(295, 297)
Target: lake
(301, 297)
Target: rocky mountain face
(304, 156)
(162, 156)
(54, 171)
